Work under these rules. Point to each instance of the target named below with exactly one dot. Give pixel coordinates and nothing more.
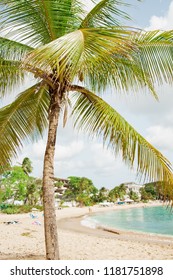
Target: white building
(63, 186)
(131, 186)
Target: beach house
(131, 186)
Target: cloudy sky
(79, 156)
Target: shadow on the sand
(21, 257)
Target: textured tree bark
(50, 224)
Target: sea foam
(88, 222)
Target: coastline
(75, 224)
(118, 230)
(25, 240)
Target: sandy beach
(25, 239)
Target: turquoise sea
(157, 220)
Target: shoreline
(117, 230)
(75, 224)
(25, 240)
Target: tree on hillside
(102, 194)
(158, 190)
(117, 193)
(81, 190)
(134, 196)
(27, 165)
(145, 195)
(14, 182)
(150, 188)
(33, 191)
(74, 55)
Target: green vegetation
(13, 184)
(156, 190)
(102, 194)
(19, 209)
(27, 166)
(117, 192)
(81, 190)
(17, 185)
(134, 196)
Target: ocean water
(157, 220)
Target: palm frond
(23, 119)
(100, 57)
(11, 75)
(24, 21)
(79, 50)
(38, 22)
(11, 50)
(156, 54)
(96, 117)
(150, 61)
(62, 17)
(116, 72)
(106, 13)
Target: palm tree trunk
(50, 224)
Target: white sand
(26, 240)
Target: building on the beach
(131, 186)
(61, 185)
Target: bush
(19, 209)
(3, 206)
(144, 201)
(10, 210)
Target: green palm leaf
(38, 22)
(97, 118)
(156, 54)
(11, 75)
(79, 50)
(150, 61)
(12, 50)
(29, 23)
(105, 57)
(102, 57)
(23, 119)
(105, 14)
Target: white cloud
(142, 110)
(38, 150)
(69, 151)
(163, 22)
(63, 152)
(89, 156)
(103, 159)
(161, 137)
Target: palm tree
(27, 166)
(73, 55)
(33, 191)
